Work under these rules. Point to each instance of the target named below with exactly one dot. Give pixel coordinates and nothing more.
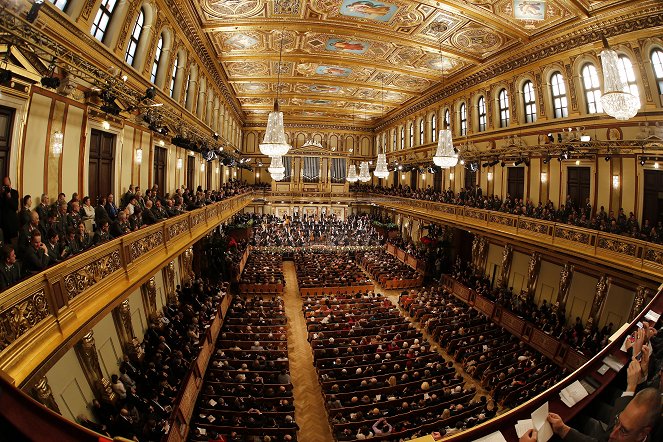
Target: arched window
(393, 141)
(627, 75)
(447, 121)
(481, 108)
(411, 134)
(433, 127)
(60, 4)
(102, 19)
(402, 137)
(503, 98)
(590, 82)
(657, 64)
(134, 38)
(530, 102)
(421, 131)
(157, 57)
(560, 102)
(173, 77)
(463, 119)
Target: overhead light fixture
(585, 138)
(139, 155)
(381, 170)
(364, 173)
(617, 100)
(352, 174)
(57, 143)
(445, 156)
(276, 168)
(275, 143)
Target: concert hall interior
(331, 220)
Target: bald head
(639, 416)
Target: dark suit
(9, 214)
(9, 275)
(599, 435)
(148, 217)
(111, 210)
(35, 260)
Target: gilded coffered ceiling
(346, 60)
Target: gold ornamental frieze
(140, 247)
(91, 273)
(178, 228)
(617, 246)
(20, 317)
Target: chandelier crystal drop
(275, 143)
(364, 173)
(381, 170)
(445, 156)
(276, 168)
(352, 174)
(616, 100)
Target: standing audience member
(9, 212)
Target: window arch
(157, 59)
(657, 64)
(627, 75)
(481, 109)
(134, 38)
(393, 141)
(447, 121)
(421, 131)
(103, 18)
(411, 134)
(173, 76)
(592, 87)
(402, 137)
(433, 127)
(530, 102)
(463, 119)
(503, 101)
(558, 90)
(60, 4)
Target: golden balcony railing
(41, 313)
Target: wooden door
(160, 155)
(516, 182)
(578, 185)
(102, 156)
(652, 208)
(470, 179)
(6, 127)
(190, 171)
(208, 169)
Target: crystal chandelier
(364, 174)
(381, 170)
(275, 143)
(617, 100)
(445, 155)
(276, 168)
(352, 174)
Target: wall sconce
(402, 176)
(227, 171)
(202, 167)
(105, 125)
(490, 176)
(615, 181)
(180, 163)
(217, 169)
(139, 155)
(234, 173)
(162, 143)
(451, 175)
(656, 165)
(257, 174)
(577, 162)
(544, 177)
(423, 176)
(56, 143)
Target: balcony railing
(39, 315)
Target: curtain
(338, 170)
(287, 163)
(311, 169)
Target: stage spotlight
(503, 164)
(150, 93)
(546, 160)
(485, 165)
(607, 157)
(50, 82)
(34, 11)
(559, 138)
(5, 76)
(215, 136)
(551, 138)
(518, 162)
(643, 160)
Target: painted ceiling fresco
(359, 59)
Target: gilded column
(169, 279)
(483, 254)
(149, 292)
(565, 278)
(599, 302)
(45, 395)
(187, 264)
(533, 274)
(507, 258)
(86, 350)
(125, 328)
(642, 294)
